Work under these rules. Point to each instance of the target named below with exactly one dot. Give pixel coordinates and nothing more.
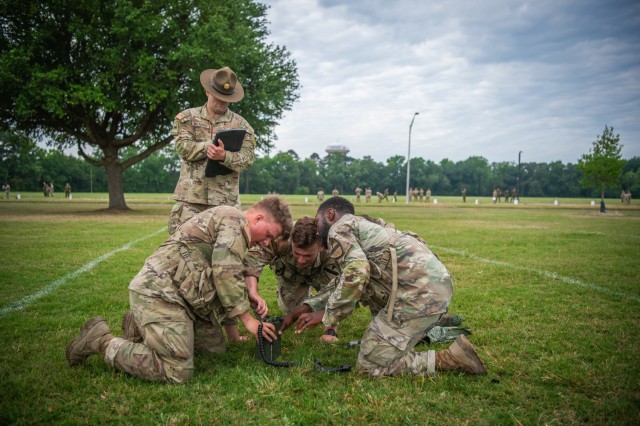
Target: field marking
(23, 303)
(547, 274)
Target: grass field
(552, 294)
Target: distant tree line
(25, 166)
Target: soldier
(395, 196)
(358, 192)
(428, 195)
(192, 282)
(7, 190)
(67, 190)
(320, 196)
(415, 194)
(506, 195)
(193, 131)
(405, 286)
(299, 264)
(421, 195)
(335, 192)
(498, 194)
(367, 195)
(494, 195)
(464, 194)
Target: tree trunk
(115, 186)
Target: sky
(489, 78)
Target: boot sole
(83, 332)
(468, 347)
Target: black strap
(322, 368)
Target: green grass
(551, 293)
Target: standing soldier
(195, 277)
(421, 195)
(407, 294)
(335, 192)
(498, 194)
(367, 195)
(320, 195)
(494, 195)
(428, 194)
(67, 190)
(7, 190)
(193, 132)
(358, 192)
(395, 196)
(464, 194)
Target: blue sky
(489, 78)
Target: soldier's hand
(308, 320)
(258, 304)
(268, 329)
(293, 316)
(216, 152)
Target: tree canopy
(602, 166)
(110, 75)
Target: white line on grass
(23, 303)
(547, 274)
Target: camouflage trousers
(168, 338)
(386, 347)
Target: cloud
(489, 78)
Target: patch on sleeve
(335, 249)
(183, 116)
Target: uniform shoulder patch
(183, 116)
(335, 249)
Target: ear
(331, 214)
(258, 217)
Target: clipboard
(232, 140)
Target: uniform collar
(224, 118)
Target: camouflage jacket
(280, 259)
(361, 249)
(201, 265)
(193, 132)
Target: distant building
(341, 149)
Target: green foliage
(113, 74)
(601, 167)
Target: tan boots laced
(461, 356)
(94, 339)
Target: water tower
(340, 149)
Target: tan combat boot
(130, 329)
(461, 356)
(93, 339)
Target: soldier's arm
(350, 285)
(185, 139)
(319, 301)
(228, 267)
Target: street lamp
(409, 156)
(518, 179)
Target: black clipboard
(232, 140)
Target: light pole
(518, 179)
(409, 157)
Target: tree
(110, 75)
(602, 166)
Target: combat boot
(93, 339)
(130, 329)
(461, 356)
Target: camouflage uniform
(294, 282)
(194, 278)
(364, 252)
(320, 196)
(358, 192)
(193, 132)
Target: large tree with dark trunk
(105, 75)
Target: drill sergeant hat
(222, 84)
